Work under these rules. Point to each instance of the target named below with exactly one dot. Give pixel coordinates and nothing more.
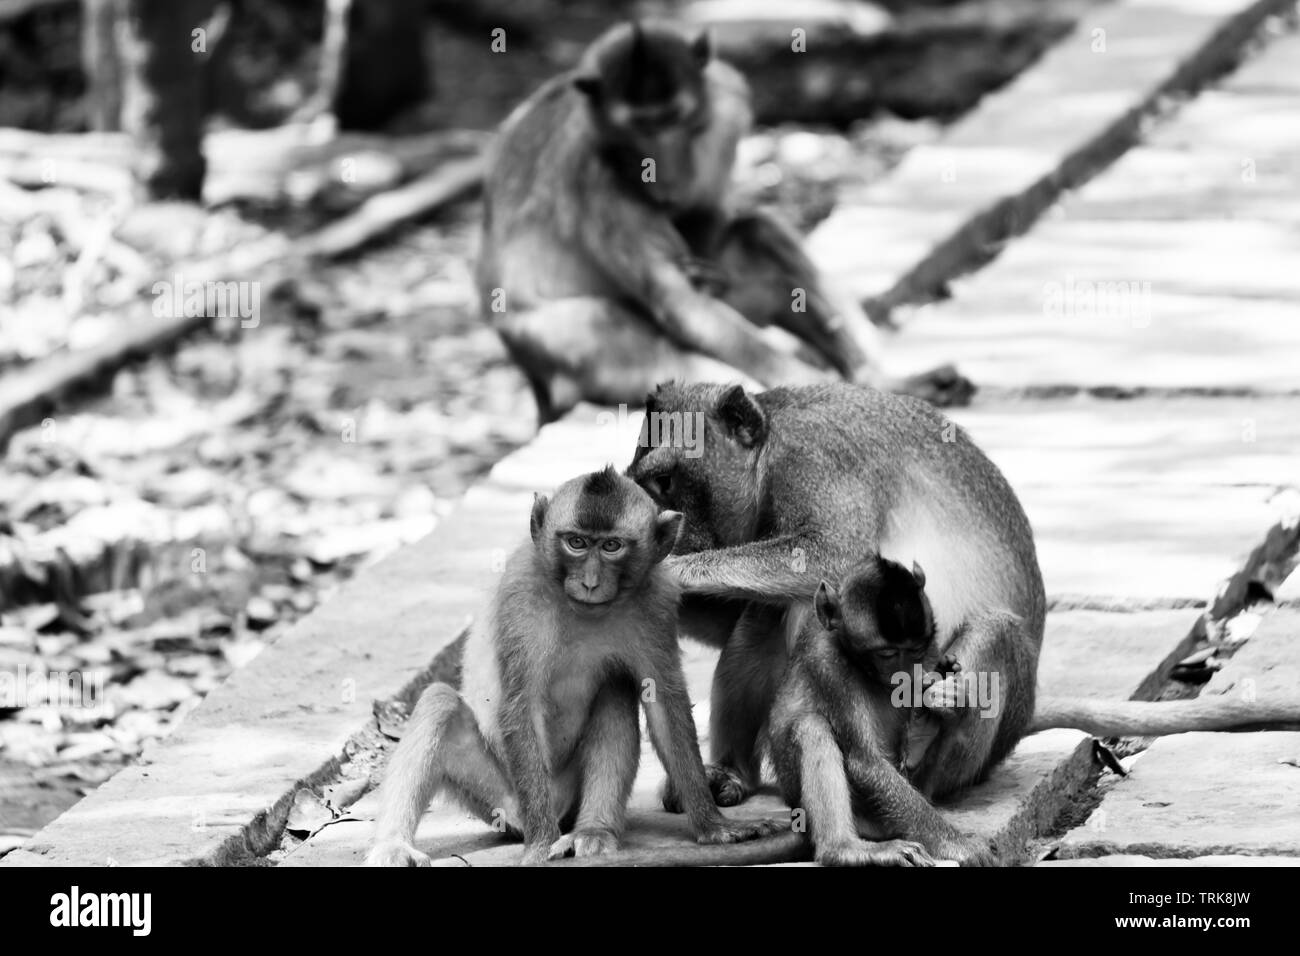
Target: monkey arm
(643, 255)
(672, 732)
(772, 281)
(773, 571)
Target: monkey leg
(594, 349)
(768, 278)
(999, 667)
(887, 806)
(811, 753)
(762, 271)
(608, 754)
(744, 686)
(441, 750)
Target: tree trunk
(164, 49)
(100, 63)
(384, 68)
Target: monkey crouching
(849, 733)
(543, 741)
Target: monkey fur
(608, 203)
(544, 739)
(792, 486)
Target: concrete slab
(1200, 794)
(1268, 666)
(1109, 487)
(1046, 272)
(1150, 340)
(1128, 859)
(1052, 127)
(1242, 798)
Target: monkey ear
(540, 504)
(587, 85)
(742, 416)
(702, 48)
(827, 603)
(918, 574)
(667, 527)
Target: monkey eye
(612, 546)
(576, 542)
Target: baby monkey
(544, 739)
(845, 731)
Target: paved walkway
(1151, 433)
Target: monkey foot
(728, 786)
(944, 387)
(396, 853)
(867, 853)
(584, 843)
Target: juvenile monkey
(844, 743)
(792, 485)
(607, 204)
(546, 731)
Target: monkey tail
(782, 848)
(1135, 718)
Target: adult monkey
(608, 216)
(792, 486)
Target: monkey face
(600, 537)
(880, 616)
(645, 90)
(697, 454)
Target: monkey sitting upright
(607, 197)
(838, 728)
(584, 623)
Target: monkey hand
(948, 665)
(944, 698)
(396, 853)
(579, 843)
(943, 386)
(724, 830)
(858, 852)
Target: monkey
(844, 744)
(607, 207)
(791, 486)
(544, 738)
